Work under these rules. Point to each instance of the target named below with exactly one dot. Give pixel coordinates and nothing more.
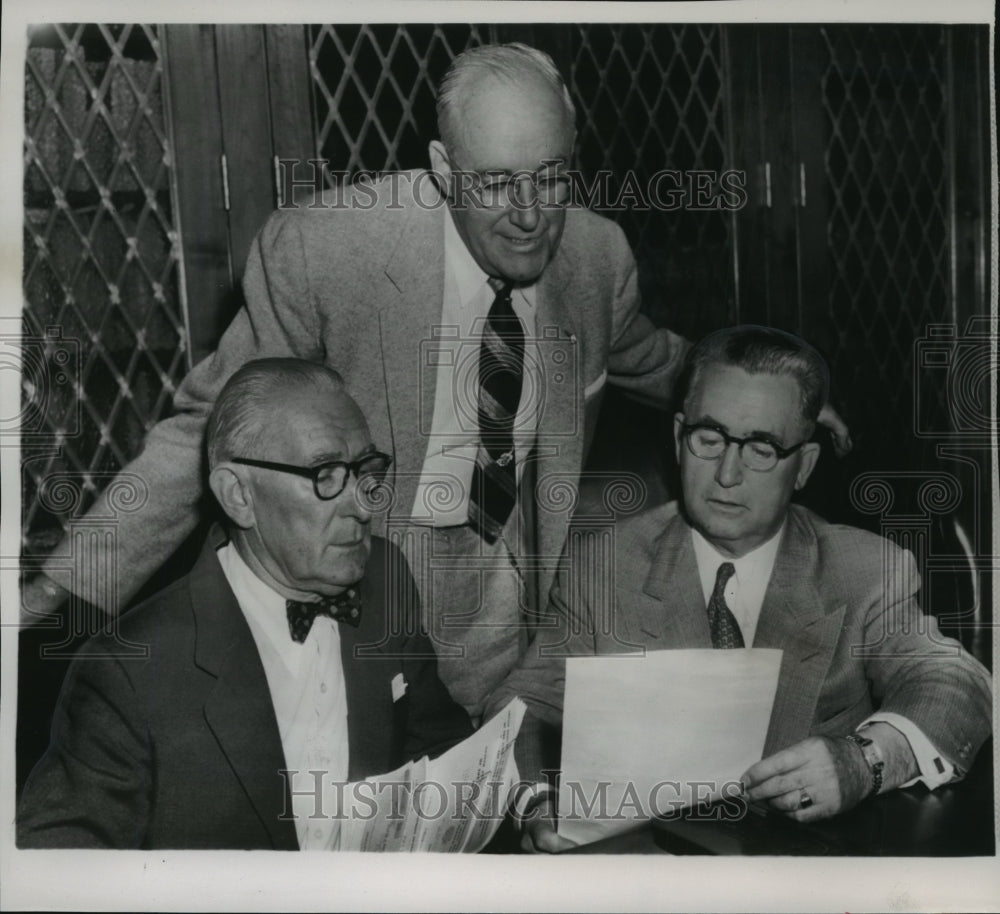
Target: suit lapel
(675, 615)
(369, 709)
(559, 448)
(239, 709)
(364, 680)
(409, 308)
(795, 618)
(670, 613)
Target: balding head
(505, 119)
(504, 68)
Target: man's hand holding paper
(821, 776)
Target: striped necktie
(725, 629)
(501, 370)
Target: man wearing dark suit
(870, 695)
(293, 646)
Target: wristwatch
(528, 800)
(873, 758)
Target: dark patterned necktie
(501, 370)
(725, 629)
(345, 607)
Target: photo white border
(258, 881)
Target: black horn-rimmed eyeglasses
(709, 442)
(330, 479)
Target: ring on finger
(805, 801)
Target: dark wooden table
(953, 821)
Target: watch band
(873, 758)
(529, 798)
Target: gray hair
(509, 62)
(237, 425)
(764, 350)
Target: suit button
(322, 687)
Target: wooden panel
(747, 155)
(969, 455)
(968, 105)
(292, 126)
(288, 76)
(831, 480)
(776, 77)
(246, 134)
(810, 139)
(197, 142)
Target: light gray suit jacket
(360, 288)
(841, 604)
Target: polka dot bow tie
(345, 607)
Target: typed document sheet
(646, 735)
(454, 803)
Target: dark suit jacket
(181, 749)
(841, 604)
(360, 288)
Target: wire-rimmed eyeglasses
(499, 189)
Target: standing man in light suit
(475, 317)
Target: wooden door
(240, 102)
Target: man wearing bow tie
(293, 647)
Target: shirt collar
(757, 563)
(263, 607)
(468, 276)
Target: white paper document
(454, 803)
(646, 735)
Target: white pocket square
(398, 687)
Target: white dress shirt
(744, 596)
(746, 588)
(307, 688)
(446, 477)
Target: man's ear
(678, 434)
(231, 489)
(440, 165)
(810, 454)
